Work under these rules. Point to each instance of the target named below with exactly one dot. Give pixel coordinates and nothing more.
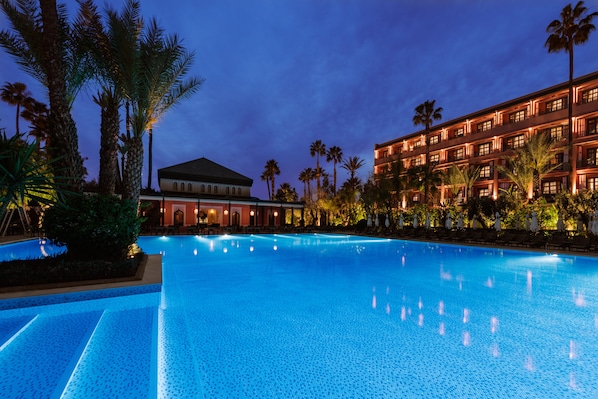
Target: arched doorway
(236, 219)
(179, 218)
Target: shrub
(93, 227)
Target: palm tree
(317, 149)
(114, 51)
(265, 177)
(334, 154)
(44, 46)
(36, 113)
(425, 114)
(572, 29)
(424, 177)
(15, 94)
(305, 178)
(352, 165)
(286, 193)
(465, 176)
(530, 163)
(270, 170)
(160, 85)
(24, 175)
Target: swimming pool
(319, 316)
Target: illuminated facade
(486, 137)
(204, 193)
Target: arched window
(189, 187)
(182, 186)
(239, 191)
(175, 186)
(209, 189)
(203, 188)
(227, 190)
(233, 191)
(215, 189)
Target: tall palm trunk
(110, 126)
(61, 126)
(133, 168)
(150, 157)
(571, 152)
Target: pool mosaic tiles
(320, 316)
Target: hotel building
(203, 193)
(486, 137)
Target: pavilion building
(486, 137)
(203, 193)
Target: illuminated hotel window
(589, 95)
(435, 158)
(459, 132)
(555, 105)
(484, 149)
(556, 132)
(516, 142)
(455, 155)
(517, 116)
(592, 183)
(417, 144)
(385, 154)
(591, 160)
(550, 187)
(486, 125)
(557, 160)
(591, 126)
(415, 162)
(486, 172)
(435, 139)
(483, 192)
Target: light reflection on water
(330, 316)
(308, 312)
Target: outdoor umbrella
(377, 221)
(460, 221)
(534, 223)
(448, 223)
(401, 221)
(387, 221)
(415, 220)
(497, 221)
(560, 225)
(369, 220)
(428, 220)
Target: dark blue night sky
(281, 74)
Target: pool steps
(92, 353)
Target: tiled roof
(204, 170)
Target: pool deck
(150, 275)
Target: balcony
(587, 163)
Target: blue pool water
(319, 316)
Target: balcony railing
(587, 163)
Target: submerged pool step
(12, 327)
(36, 358)
(120, 358)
